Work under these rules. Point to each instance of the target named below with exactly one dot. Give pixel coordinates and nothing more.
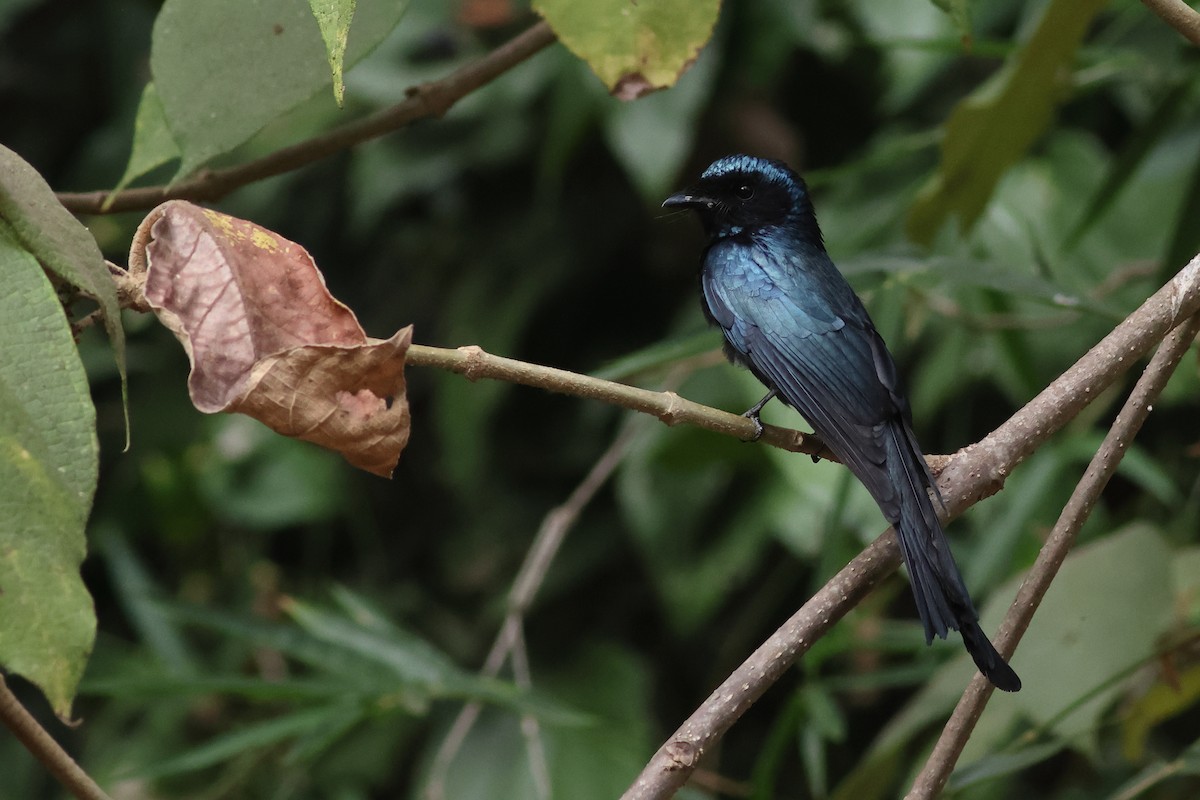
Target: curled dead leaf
(633, 85)
(266, 338)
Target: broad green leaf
(56, 239)
(153, 145)
(1114, 590)
(226, 68)
(995, 126)
(634, 48)
(48, 470)
(333, 17)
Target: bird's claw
(752, 415)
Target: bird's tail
(942, 598)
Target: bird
(789, 315)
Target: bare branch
(933, 776)
(974, 473)
(473, 363)
(427, 100)
(1179, 15)
(37, 741)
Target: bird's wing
(831, 366)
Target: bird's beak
(686, 199)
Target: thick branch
(45, 749)
(974, 473)
(1179, 15)
(427, 100)
(958, 729)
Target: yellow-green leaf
(995, 126)
(333, 17)
(634, 47)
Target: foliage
(273, 623)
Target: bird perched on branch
(791, 318)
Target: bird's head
(741, 193)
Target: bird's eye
(744, 192)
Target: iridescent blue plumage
(791, 318)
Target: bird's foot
(752, 415)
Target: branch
(1178, 15)
(473, 363)
(426, 100)
(973, 473)
(940, 764)
(37, 741)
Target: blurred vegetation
(273, 624)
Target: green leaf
(959, 12)
(995, 126)
(153, 144)
(1001, 764)
(333, 17)
(634, 48)
(660, 355)
(1116, 590)
(1141, 144)
(48, 470)
(1160, 702)
(255, 737)
(147, 686)
(596, 761)
(1184, 239)
(56, 239)
(226, 68)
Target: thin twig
(958, 729)
(1179, 15)
(37, 741)
(427, 100)
(974, 473)
(529, 579)
(473, 363)
(539, 768)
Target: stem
(45, 749)
(427, 100)
(473, 363)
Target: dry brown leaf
(266, 339)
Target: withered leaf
(267, 339)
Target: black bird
(791, 318)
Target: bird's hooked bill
(686, 199)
